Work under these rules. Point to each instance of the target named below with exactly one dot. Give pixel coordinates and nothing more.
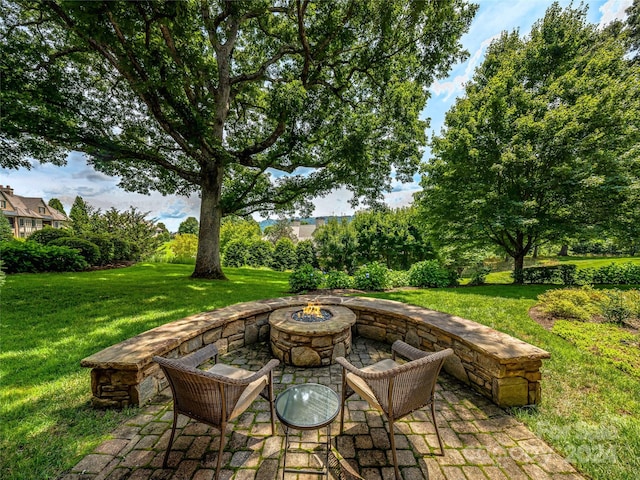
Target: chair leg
(435, 425)
(223, 432)
(173, 433)
(271, 404)
(393, 450)
(344, 399)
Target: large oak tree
(543, 143)
(256, 105)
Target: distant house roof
(29, 207)
(303, 232)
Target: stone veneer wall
(500, 367)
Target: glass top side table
(308, 406)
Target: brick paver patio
(481, 440)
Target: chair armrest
(365, 375)
(407, 351)
(200, 356)
(241, 381)
(273, 363)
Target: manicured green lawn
(590, 410)
(50, 322)
(504, 276)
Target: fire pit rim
(342, 318)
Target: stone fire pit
(314, 343)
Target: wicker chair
(395, 389)
(214, 396)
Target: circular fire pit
(311, 342)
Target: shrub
(620, 307)
(371, 277)
(398, 278)
(284, 255)
(430, 273)
(572, 303)
(563, 274)
(305, 278)
(338, 280)
(89, 251)
(122, 249)
(236, 254)
(6, 232)
(617, 274)
(479, 274)
(260, 253)
(105, 245)
(306, 253)
(48, 234)
(184, 245)
(31, 257)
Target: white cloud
(455, 86)
(614, 10)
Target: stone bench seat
(497, 365)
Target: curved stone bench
(498, 366)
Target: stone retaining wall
(500, 367)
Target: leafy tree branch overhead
(218, 97)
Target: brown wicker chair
(214, 396)
(395, 389)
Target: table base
(324, 471)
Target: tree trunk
(535, 251)
(208, 264)
(564, 251)
(518, 267)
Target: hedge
(31, 257)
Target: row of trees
(395, 238)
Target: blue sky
(101, 191)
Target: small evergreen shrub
(620, 307)
(89, 251)
(236, 254)
(31, 257)
(430, 273)
(337, 280)
(48, 234)
(398, 278)
(305, 278)
(306, 253)
(260, 253)
(371, 277)
(284, 255)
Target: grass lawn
(590, 410)
(52, 321)
(504, 273)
